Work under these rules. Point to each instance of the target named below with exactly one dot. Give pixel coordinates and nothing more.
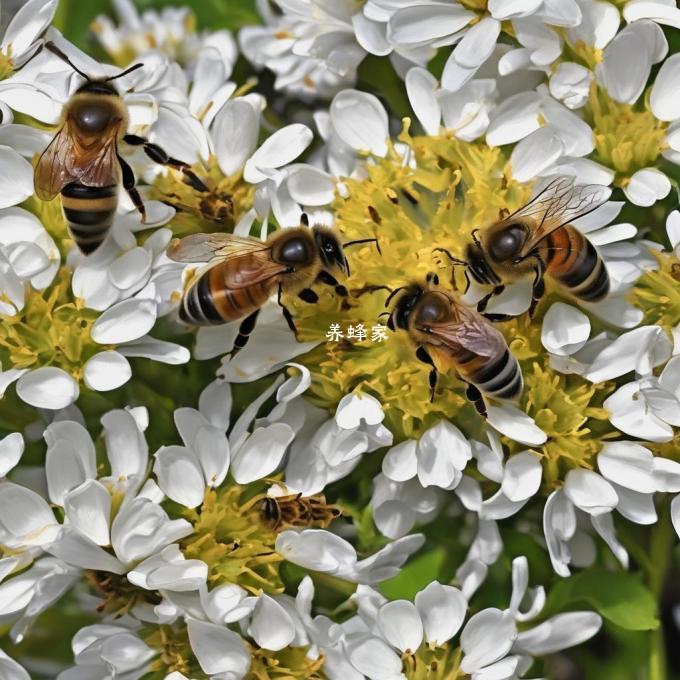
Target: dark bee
(242, 273)
(296, 510)
(83, 164)
(451, 336)
(538, 238)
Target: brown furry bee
(242, 273)
(82, 162)
(538, 238)
(451, 336)
(296, 510)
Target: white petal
(627, 464)
(25, 515)
(558, 633)
(634, 506)
(426, 22)
(311, 186)
(442, 454)
(487, 637)
(442, 609)
(70, 459)
(663, 100)
(511, 9)
(371, 34)
(590, 492)
(604, 525)
(106, 371)
(235, 131)
(523, 473)
(48, 387)
(15, 185)
(218, 649)
(354, 408)
(158, 350)
(271, 626)
(261, 453)
(77, 549)
(513, 423)
(179, 475)
(374, 658)
(394, 519)
(516, 118)
(565, 329)
(559, 525)
(666, 475)
(88, 508)
(638, 350)
(284, 146)
(478, 43)
(659, 11)
(400, 624)
(361, 121)
(535, 153)
(126, 448)
(420, 88)
(675, 514)
(315, 549)
(400, 462)
(125, 321)
(27, 24)
(647, 186)
(11, 450)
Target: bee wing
(473, 333)
(252, 258)
(205, 247)
(559, 203)
(55, 167)
(65, 160)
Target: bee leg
(473, 395)
(308, 295)
(157, 155)
(324, 277)
(481, 305)
(497, 317)
(286, 312)
(244, 331)
(129, 186)
(538, 290)
(422, 355)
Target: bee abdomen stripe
(87, 218)
(597, 286)
(514, 388)
(489, 371)
(581, 267)
(500, 379)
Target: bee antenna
(125, 72)
(363, 240)
(392, 294)
(56, 50)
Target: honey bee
(83, 164)
(296, 510)
(540, 238)
(242, 273)
(451, 336)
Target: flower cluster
(210, 471)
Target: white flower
(320, 550)
(98, 535)
(387, 637)
(108, 651)
(21, 38)
(11, 670)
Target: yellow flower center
(627, 137)
(229, 537)
(53, 329)
(657, 293)
(434, 663)
(6, 65)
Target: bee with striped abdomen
(242, 273)
(451, 336)
(82, 162)
(539, 239)
(296, 510)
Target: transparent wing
(205, 247)
(472, 332)
(556, 205)
(67, 160)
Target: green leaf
(618, 596)
(377, 76)
(417, 574)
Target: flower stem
(660, 550)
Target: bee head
(404, 306)
(330, 248)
